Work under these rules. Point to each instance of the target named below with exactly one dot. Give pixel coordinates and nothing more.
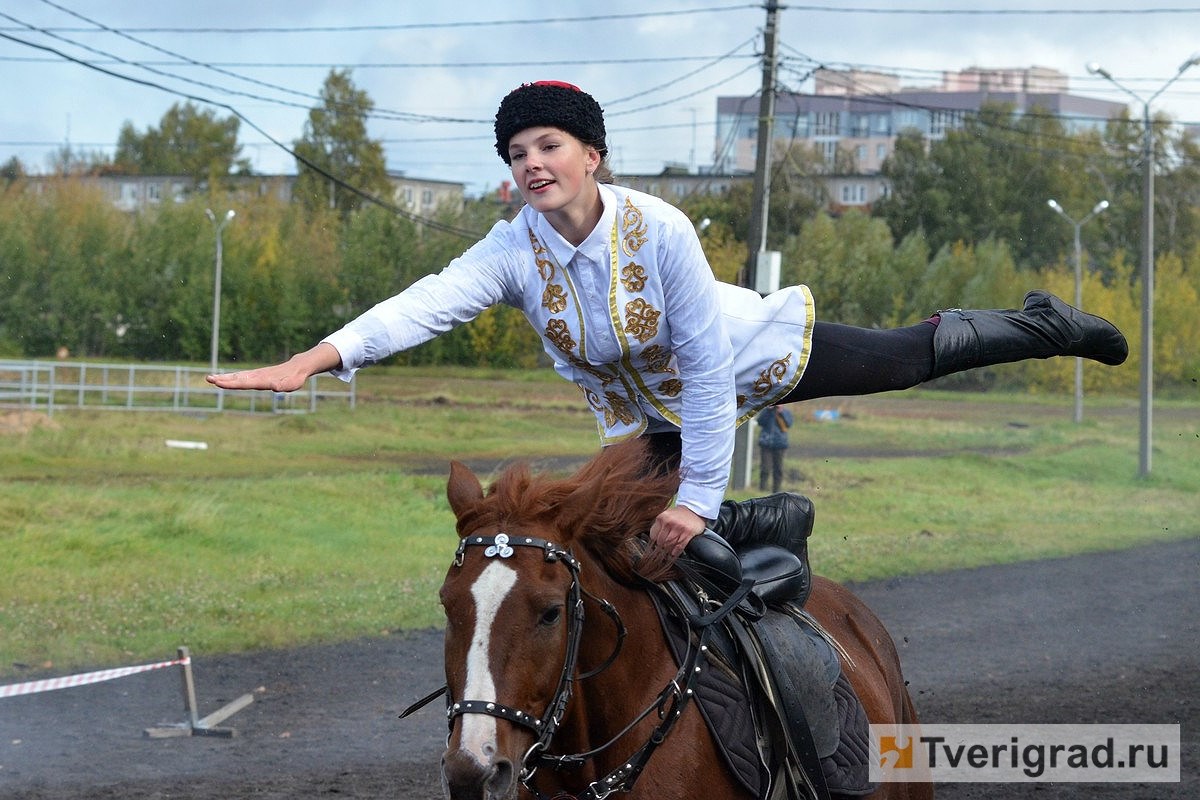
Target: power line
(689, 94)
(375, 113)
(995, 12)
(367, 196)
(711, 62)
(919, 73)
(147, 66)
(508, 22)
(173, 54)
(684, 77)
(569, 62)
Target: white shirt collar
(595, 246)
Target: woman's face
(552, 169)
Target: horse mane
(629, 491)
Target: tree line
(966, 225)
(197, 143)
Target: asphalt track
(1103, 638)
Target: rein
(669, 703)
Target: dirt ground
(1100, 638)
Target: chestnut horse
(560, 681)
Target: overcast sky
(657, 66)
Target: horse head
(514, 602)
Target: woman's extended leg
(848, 361)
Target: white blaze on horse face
(488, 591)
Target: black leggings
(845, 361)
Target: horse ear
(463, 490)
(575, 509)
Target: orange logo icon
(896, 752)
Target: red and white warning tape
(67, 681)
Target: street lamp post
(1147, 374)
(218, 225)
(1099, 207)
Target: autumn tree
(335, 150)
(69, 162)
(188, 141)
(13, 170)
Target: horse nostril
(464, 778)
(500, 784)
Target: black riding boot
(1045, 327)
(784, 519)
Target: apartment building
(861, 113)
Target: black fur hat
(552, 103)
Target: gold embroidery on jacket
(560, 336)
(605, 378)
(634, 226)
(545, 266)
(657, 359)
(593, 399)
(671, 387)
(618, 408)
(772, 375)
(554, 299)
(633, 277)
(641, 320)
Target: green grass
(1003, 479)
(296, 529)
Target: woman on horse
(616, 284)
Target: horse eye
(551, 616)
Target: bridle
(670, 702)
(545, 726)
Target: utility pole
(1146, 412)
(1146, 407)
(760, 202)
(743, 441)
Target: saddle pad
(847, 771)
(725, 706)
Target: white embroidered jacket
(633, 316)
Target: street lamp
(1099, 207)
(218, 225)
(1147, 374)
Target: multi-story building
(420, 196)
(676, 183)
(861, 113)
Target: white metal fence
(50, 385)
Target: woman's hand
(286, 377)
(674, 528)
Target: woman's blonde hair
(603, 172)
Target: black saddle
(777, 660)
(779, 575)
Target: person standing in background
(773, 422)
